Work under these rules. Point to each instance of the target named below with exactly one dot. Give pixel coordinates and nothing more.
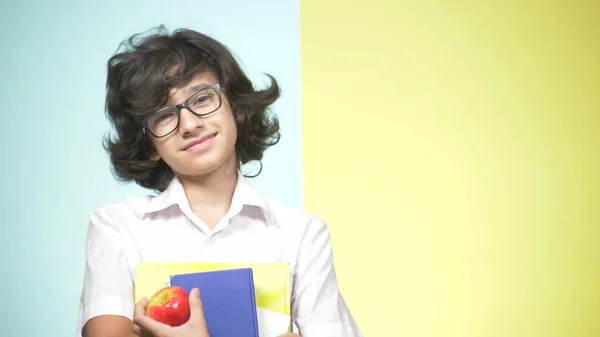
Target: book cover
(228, 299)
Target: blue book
(228, 299)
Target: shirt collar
(245, 194)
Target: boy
(186, 118)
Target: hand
(194, 327)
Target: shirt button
(210, 240)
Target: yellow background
(453, 147)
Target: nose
(189, 122)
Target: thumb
(196, 307)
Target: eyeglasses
(203, 102)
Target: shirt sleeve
(108, 280)
(318, 308)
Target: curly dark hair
(138, 82)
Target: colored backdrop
(54, 170)
(453, 148)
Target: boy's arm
(106, 307)
(108, 325)
(318, 307)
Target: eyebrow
(189, 92)
(195, 88)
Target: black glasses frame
(185, 105)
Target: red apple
(169, 305)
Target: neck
(212, 191)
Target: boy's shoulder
(292, 216)
(128, 206)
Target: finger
(197, 309)
(137, 330)
(144, 322)
(140, 308)
(148, 324)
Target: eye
(202, 100)
(163, 117)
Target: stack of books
(239, 299)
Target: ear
(155, 156)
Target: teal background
(54, 170)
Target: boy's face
(214, 135)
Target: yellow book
(271, 280)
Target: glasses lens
(205, 101)
(163, 122)
(202, 103)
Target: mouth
(189, 146)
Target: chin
(205, 164)
(200, 169)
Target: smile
(200, 143)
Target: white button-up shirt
(256, 229)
